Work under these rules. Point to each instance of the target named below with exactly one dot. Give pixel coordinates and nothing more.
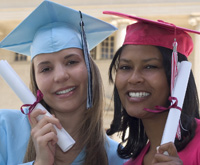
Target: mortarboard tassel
(87, 62)
(174, 63)
(174, 73)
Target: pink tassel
(174, 73)
(174, 68)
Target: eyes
(45, 68)
(126, 67)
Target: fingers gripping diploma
(44, 136)
(167, 154)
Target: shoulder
(112, 142)
(13, 122)
(8, 115)
(11, 119)
(111, 146)
(4, 113)
(191, 153)
(111, 149)
(15, 132)
(198, 124)
(197, 131)
(195, 141)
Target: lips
(61, 92)
(138, 94)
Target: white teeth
(65, 91)
(138, 94)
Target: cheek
(163, 82)
(81, 74)
(120, 85)
(159, 80)
(42, 83)
(119, 81)
(163, 89)
(84, 75)
(166, 89)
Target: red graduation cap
(157, 33)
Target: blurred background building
(184, 13)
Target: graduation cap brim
(158, 23)
(20, 39)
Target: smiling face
(141, 80)
(62, 78)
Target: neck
(154, 128)
(63, 158)
(70, 121)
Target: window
(107, 48)
(20, 57)
(93, 53)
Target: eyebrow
(151, 59)
(124, 60)
(66, 57)
(70, 55)
(144, 60)
(43, 63)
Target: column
(195, 21)
(121, 24)
(120, 35)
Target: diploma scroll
(65, 141)
(179, 91)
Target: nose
(136, 77)
(60, 74)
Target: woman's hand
(167, 154)
(44, 137)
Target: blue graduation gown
(14, 136)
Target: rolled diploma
(65, 141)
(179, 91)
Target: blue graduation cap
(52, 27)
(22, 37)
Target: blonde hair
(91, 127)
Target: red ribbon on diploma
(32, 106)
